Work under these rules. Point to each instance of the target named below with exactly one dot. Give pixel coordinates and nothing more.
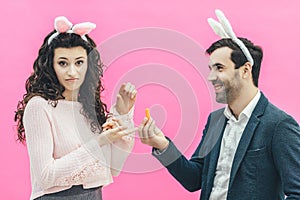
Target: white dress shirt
(231, 138)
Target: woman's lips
(71, 79)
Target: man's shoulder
(273, 113)
(217, 113)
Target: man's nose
(212, 75)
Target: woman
(74, 148)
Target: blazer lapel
(247, 136)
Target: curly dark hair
(43, 81)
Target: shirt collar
(247, 110)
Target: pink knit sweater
(63, 151)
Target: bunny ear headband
(63, 25)
(224, 30)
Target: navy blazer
(266, 164)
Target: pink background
(25, 23)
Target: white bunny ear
(83, 28)
(225, 23)
(62, 24)
(217, 28)
(224, 30)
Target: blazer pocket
(256, 152)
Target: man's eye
(220, 68)
(62, 63)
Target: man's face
(224, 77)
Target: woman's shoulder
(36, 108)
(37, 102)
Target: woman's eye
(62, 63)
(79, 62)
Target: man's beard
(231, 91)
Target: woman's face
(70, 66)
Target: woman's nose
(72, 70)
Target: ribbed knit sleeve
(122, 148)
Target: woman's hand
(125, 98)
(113, 130)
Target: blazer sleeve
(187, 172)
(286, 155)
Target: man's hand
(125, 98)
(151, 135)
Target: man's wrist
(164, 145)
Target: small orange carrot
(147, 111)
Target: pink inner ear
(62, 27)
(62, 24)
(83, 28)
(82, 31)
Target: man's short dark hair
(238, 57)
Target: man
(249, 150)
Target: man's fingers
(140, 130)
(144, 122)
(152, 129)
(146, 128)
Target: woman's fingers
(117, 122)
(132, 91)
(116, 129)
(112, 123)
(118, 132)
(106, 124)
(122, 88)
(133, 94)
(129, 90)
(127, 132)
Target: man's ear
(247, 70)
